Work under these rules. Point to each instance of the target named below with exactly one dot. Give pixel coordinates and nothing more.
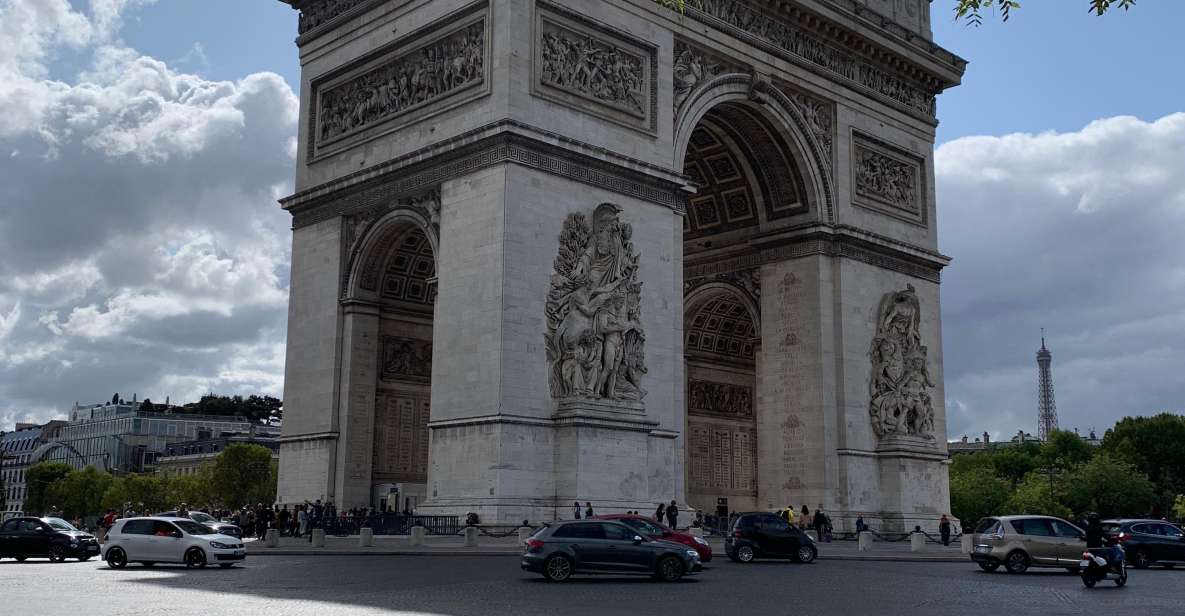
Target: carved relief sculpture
(899, 389)
(409, 80)
(818, 116)
(886, 179)
(590, 67)
(320, 12)
(406, 359)
(720, 398)
(692, 68)
(594, 336)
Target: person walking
(819, 522)
(673, 515)
(588, 512)
(788, 514)
(302, 517)
(576, 510)
(860, 525)
(944, 529)
(806, 516)
(660, 513)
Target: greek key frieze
(410, 78)
(578, 62)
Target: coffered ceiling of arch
(723, 326)
(409, 271)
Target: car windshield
(201, 518)
(193, 528)
(58, 524)
(985, 525)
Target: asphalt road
(494, 585)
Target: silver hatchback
(1021, 541)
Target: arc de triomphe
(604, 251)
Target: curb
(451, 554)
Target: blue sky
(165, 131)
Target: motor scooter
(1099, 564)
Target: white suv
(169, 540)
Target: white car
(169, 540)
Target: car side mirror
(638, 539)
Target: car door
(166, 542)
(36, 537)
(9, 535)
(775, 536)
(1071, 543)
(584, 540)
(620, 551)
(1038, 540)
(1174, 542)
(136, 539)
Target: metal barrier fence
(393, 524)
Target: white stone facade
(776, 183)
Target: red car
(647, 527)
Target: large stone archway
(601, 190)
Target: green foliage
(79, 493)
(257, 409)
(147, 406)
(1014, 463)
(146, 493)
(977, 493)
(1033, 496)
(38, 479)
(1156, 446)
(1179, 507)
(194, 490)
(1064, 450)
(972, 10)
(1109, 487)
(245, 476)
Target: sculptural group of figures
(720, 398)
(594, 340)
(585, 65)
(886, 179)
(432, 71)
(900, 384)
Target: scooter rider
(1095, 540)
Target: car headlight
(693, 554)
(221, 546)
(700, 540)
(73, 540)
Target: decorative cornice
(423, 169)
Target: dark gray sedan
(603, 546)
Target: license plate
(240, 552)
(92, 548)
(982, 549)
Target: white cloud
(1078, 233)
(141, 247)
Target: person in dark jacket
(588, 510)
(944, 529)
(820, 524)
(672, 515)
(660, 513)
(576, 510)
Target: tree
(79, 493)
(1013, 464)
(38, 479)
(1036, 495)
(147, 406)
(1179, 507)
(977, 494)
(1110, 488)
(146, 493)
(1065, 449)
(971, 10)
(256, 409)
(115, 398)
(195, 490)
(245, 476)
(1156, 446)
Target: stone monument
(606, 251)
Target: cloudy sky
(143, 145)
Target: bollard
(366, 537)
(864, 541)
(318, 537)
(470, 536)
(524, 533)
(814, 535)
(966, 544)
(917, 542)
(272, 538)
(417, 535)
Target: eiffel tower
(1046, 407)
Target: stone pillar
(318, 538)
(864, 541)
(917, 542)
(272, 538)
(359, 370)
(417, 535)
(366, 537)
(471, 534)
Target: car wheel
(1087, 581)
(557, 568)
(57, 554)
(20, 559)
(116, 558)
(195, 558)
(745, 554)
(670, 569)
(1018, 562)
(805, 554)
(989, 566)
(1140, 559)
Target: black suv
(604, 546)
(54, 538)
(767, 535)
(1148, 541)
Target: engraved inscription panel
(723, 458)
(401, 436)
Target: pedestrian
(660, 513)
(302, 516)
(673, 515)
(282, 520)
(788, 514)
(819, 522)
(588, 512)
(944, 529)
(860, 525)
(806, 516)
(576, 510)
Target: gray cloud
(1078, 233)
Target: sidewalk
(395, 545)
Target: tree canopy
(38, 479)
(257, 409)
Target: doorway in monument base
(402, 406)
